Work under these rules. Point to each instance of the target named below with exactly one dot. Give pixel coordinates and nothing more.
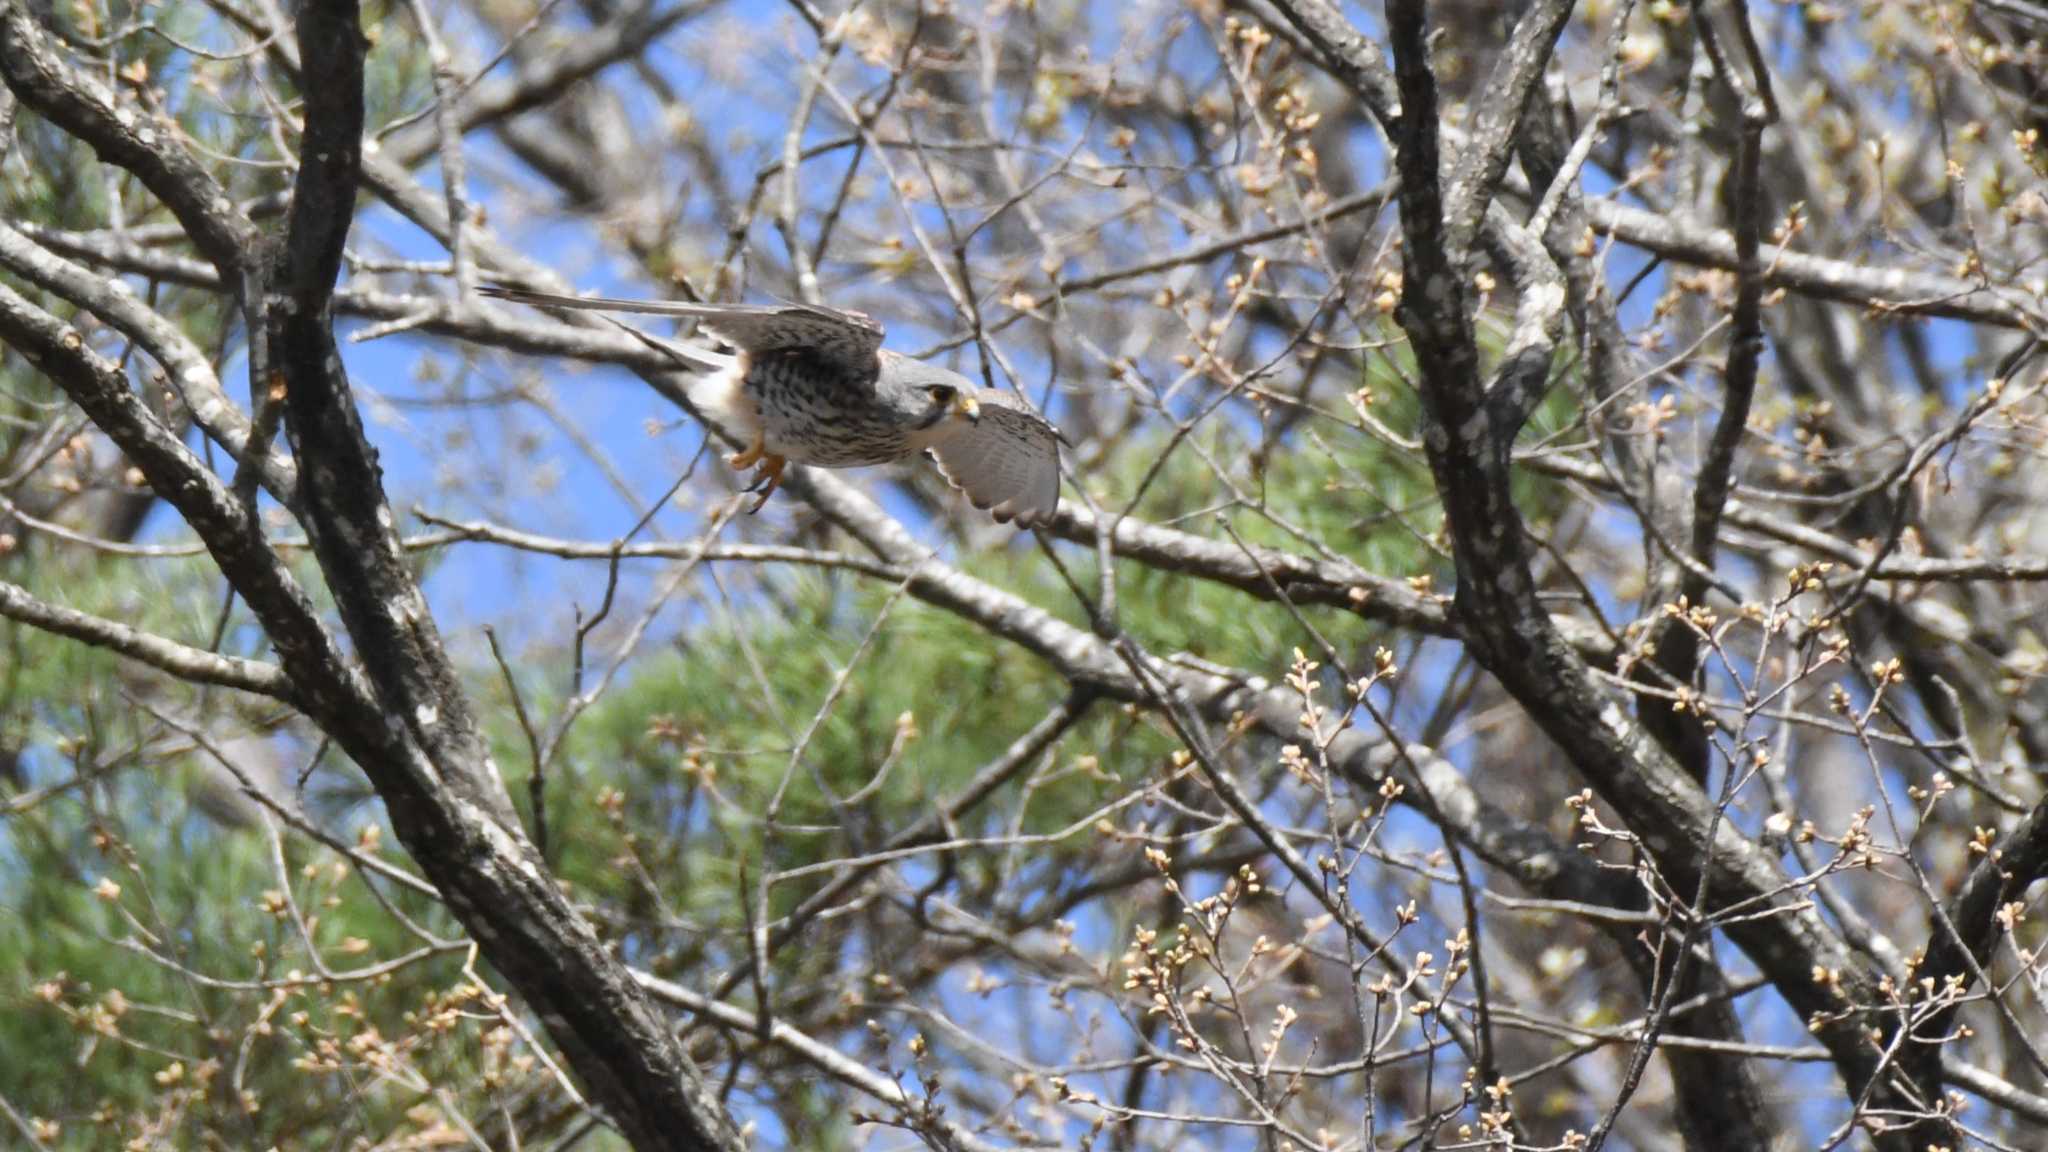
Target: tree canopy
(1541, 647)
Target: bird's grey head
(924, 396)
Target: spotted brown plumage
(814, 385)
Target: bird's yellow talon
(741, 461)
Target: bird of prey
(815, 386)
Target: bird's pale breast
(813, 414)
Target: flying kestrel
(815, 386)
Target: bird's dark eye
(942, 394)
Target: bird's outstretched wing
(849, 339)
(1008, 462)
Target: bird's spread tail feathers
(691, 355)
(715, 392)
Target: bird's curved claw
(766, 480)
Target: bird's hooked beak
(967, 407)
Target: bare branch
(182, 661)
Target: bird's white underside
(719, 396)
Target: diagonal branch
(139, 140)
(1746, 339)
(1349, 54)
(406, 723)
(1890, 291)
(1511, 635)
(464, 831)
(1677, 647)
(185, 367)
(180, 660)
(1484, 158)
(231, 534)
(1971, 923)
